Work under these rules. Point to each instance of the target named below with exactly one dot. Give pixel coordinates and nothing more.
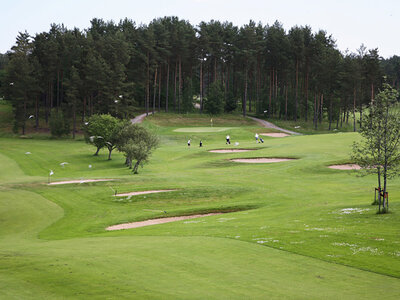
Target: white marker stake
(51, 173)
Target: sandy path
(230, 150)
(139, 118)
(143, 193)
(156, 221)
(78, 181)
(275, 134)
(345, 167)
(273, 126)
(261, 160)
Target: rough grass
(292, 238)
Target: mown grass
(288, 239)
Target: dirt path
(139, 118)
(267, 124)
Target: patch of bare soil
(143, 193)
(156, 221)
(230, 150)
(260, 160)
(345, 167)
(78, 181)
(275, 134)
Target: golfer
(256, 136)
(189, 143)
(228, 139)
(201, 143)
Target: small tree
(136, 143)
(214, 103)
(230, 102)
(102, 131)
(378, 152)
(59, 125)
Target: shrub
(59, 125)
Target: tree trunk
(330, 113)
(180, 85)
(215, 69)
(74, 121)
(286, 102)
(166, 97)
(296, 93)
(372, 93)
(270, 92)
(97, 151)
(175, 76)
(201, 86)
(24, 118)
(360, 112)
(315, 111)
(354, 109)
(148, 85)
(159, 90)
(306, 100)
(245, 94)
(154, 91)
(58, 89)
(84, 109)
(37, 113)
(385, 207)
(322, 108)
(135, 168)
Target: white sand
(345, 167)
(143, 193)
(78, 181)
(275, 134)
(231, 150)
(260, 160)
(156, 221)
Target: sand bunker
(345, 167)
(156, 221)
(78, 181)
(260, 160)
(275, 134)
(230, 150)
(143, 193)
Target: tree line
(168, 64)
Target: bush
(59, 125)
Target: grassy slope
(236, 255)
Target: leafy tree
(379, 151)
(136, 143)
(214, 103)
(102, 131)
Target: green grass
(288, 238)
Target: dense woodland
(169, 64)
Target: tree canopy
(113, 68)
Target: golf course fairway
(289, 230)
